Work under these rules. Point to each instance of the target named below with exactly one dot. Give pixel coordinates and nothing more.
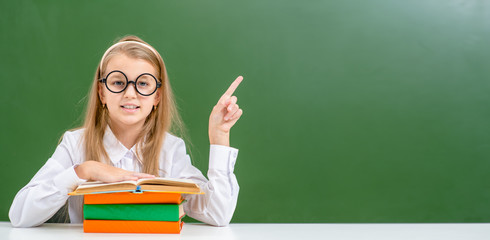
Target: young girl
(125, 136)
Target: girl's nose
(130, 91)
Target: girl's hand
(97, 171)
(224, 115)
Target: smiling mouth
(130, 106)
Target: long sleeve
(47, 191)
(217, 205)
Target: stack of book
(144, 206)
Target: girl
(125, 136)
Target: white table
(266, 231)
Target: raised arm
(217, 205)
(224, 115)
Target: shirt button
(235, 154)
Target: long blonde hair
(164, 118)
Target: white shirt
(47, 191)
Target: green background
(354, 111)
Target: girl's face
(128, 109)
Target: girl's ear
(157, 98)
(100, 89)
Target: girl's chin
(128, 122)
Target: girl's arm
(48, 190)
(97, 171)
(224, 115)
(217, 205)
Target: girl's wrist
(219, 138)
(82, 170)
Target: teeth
(130, 106)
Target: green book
(137, 212)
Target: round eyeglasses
(145, 84)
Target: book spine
(128, 198)
(142, 212)
(113, 226)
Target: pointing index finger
(233, 87)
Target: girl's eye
(118, 83)
(142, 84)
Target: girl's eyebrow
(154, 75)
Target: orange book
(116, 226)
(129, 197)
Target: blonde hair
(164, 118)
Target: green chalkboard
(354, 111)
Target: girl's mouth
(130, 108)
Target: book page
(100, 184)
(166, 181)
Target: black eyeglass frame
(104, 80)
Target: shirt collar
(115, 149)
